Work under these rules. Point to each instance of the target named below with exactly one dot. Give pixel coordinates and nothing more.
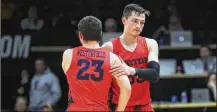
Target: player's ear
(80, 35)
(124, 20)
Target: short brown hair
(128, 9)
(91, 28)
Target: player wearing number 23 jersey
(88, 78)
(87, 71)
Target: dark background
(196, 15)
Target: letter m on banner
(16, 47)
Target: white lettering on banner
(15, 47)
(6, 42)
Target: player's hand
(46, 108)
(122, 69)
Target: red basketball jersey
(89, 78)
(138, 59)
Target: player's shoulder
(67, 52)
(148, 40)
(113, 56)
(114, 59)
(151, 41)
(108, 45)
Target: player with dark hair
(87, 69)
(140, 56)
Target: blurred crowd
(55, 16)
(42, 90)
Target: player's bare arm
(66, 59)
(124, 68)
(123, 82)
(153, 50)
(151, 73)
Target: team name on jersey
(136, 61)
(92, 53)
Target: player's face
(134, 24)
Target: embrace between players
(127, 64)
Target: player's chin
(135, 34)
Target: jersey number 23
(97, 64)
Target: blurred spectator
(175, 24)
(174, 20)
(110, 25)
(56, 18)
(7, 10)
(45, 89)
(212, 85)
(63, 26)
(179, 70)
(163, 32)
(23, 90)
(32, 22)
(7, 15)
(172, 8)
(206, 58)
(21, 85)
(20, 104)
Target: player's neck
(91, 44)
(128, 39)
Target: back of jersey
(88, 76)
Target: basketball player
(87, 69)
(140, 55)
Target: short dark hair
(205, 46)
(91, 28)
(42, 59)
(128, 9)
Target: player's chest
(136, 58)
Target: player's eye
(142, 22)
(135, 21)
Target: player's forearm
(151, 73)
(123, 99)
(148, 74)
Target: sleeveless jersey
(88, 77)
(138, 59)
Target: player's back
(89, 79)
